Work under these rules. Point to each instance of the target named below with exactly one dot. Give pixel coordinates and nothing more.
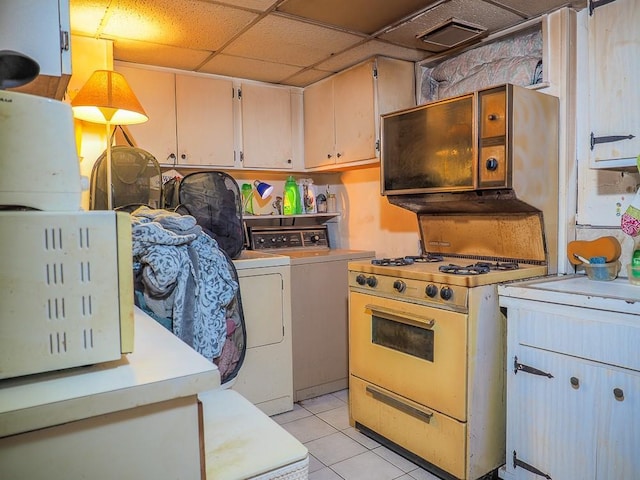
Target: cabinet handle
(401, 317)
(618, 394)
(329, 155)
(339, 155)
(183, 156)
(492, 117)
(172, 157)
(393, 402)
(289, 161)
(575, 383)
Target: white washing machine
(319, 304)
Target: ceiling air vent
(451, 33)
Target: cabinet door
(355, 114)
(550, 420)
(204, 113)
(614, 64)
(618, 402)
(47, 22)
(319, 133)
(266, 127)
(156, 92)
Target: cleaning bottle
(309, 198)
(634, 271)
(291, 197)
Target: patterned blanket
(183, 269)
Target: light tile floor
(338, 451)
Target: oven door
(414, 351)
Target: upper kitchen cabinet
(268, 127)
(190, 117)
(46, 40)
(613, 129)
(342, 113)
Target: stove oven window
(402, 337)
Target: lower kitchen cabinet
(573, 388)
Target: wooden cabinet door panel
(266, 127)
(204, 111)
(551, 422)
(156, 92)
(614, 64)
(319, 136)
(355, 114)
(618, 402)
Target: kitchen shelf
(290, 220)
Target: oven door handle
(402, 317)
(393, 402)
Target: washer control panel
(313, 237)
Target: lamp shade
(264, 189)
(107, 98)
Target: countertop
(161, 367)
(285, 256)
(617, 295)
(257, 259)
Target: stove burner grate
(392, 262)
(408, 260)
(477, 268)
(428, 258)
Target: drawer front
(606, 337)
(435, 437)
(493, 119)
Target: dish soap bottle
(635, 261)
(291, 197)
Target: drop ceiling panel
(369, 49)
(473, 11)
(297, 37)
(189, 24)
(86, 15)
(307, 77)
(159, 55)
(282, 40)
(254, 69)
(366, 16)
(533, 9)
(258, 5)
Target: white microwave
(66, 290)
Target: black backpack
(214, 199)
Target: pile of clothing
(186, 282)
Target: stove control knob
(446, 293)
(315, 238)
(431, 290)
(372, 281)
(361, 279)
(399, 286)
